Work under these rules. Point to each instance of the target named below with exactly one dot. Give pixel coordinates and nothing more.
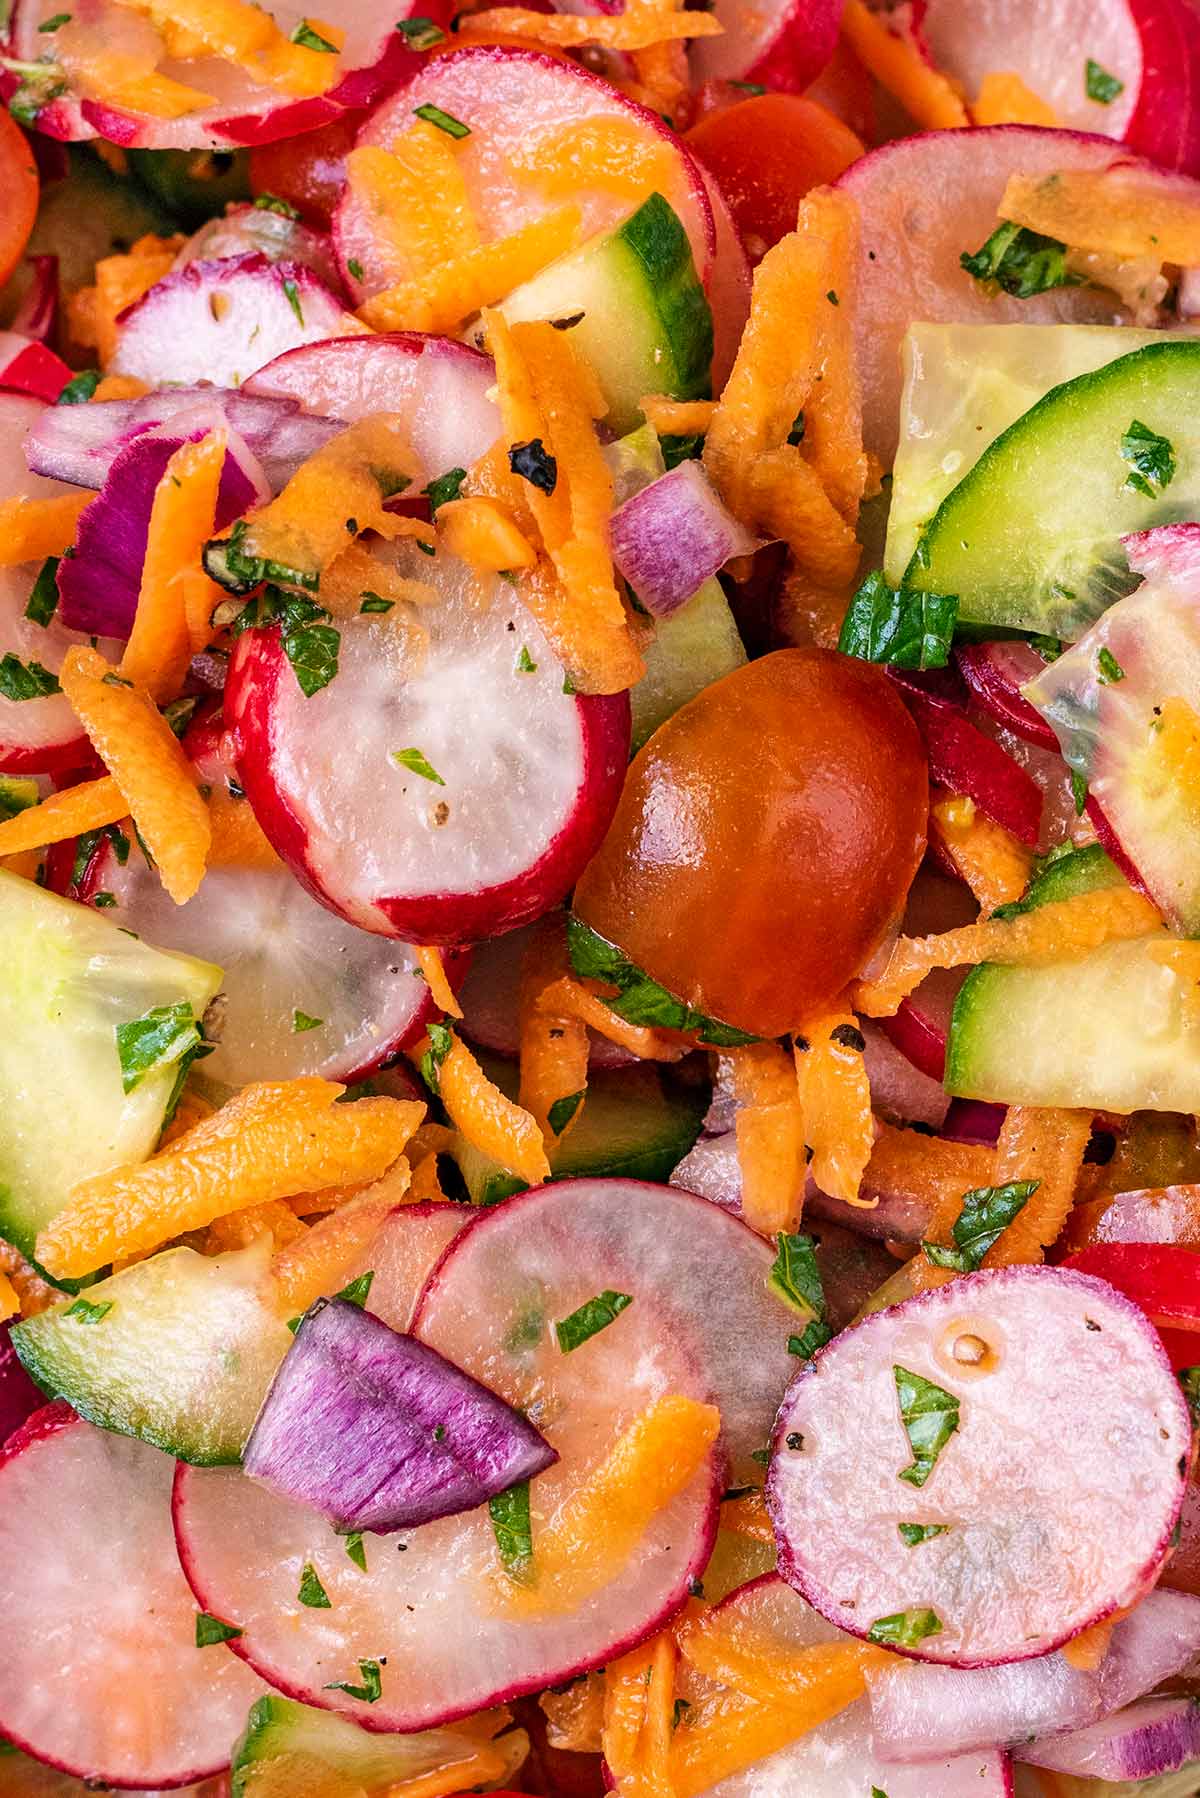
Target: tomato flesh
(766, 154)
(766, 839)
(309, 171)
(19, 185)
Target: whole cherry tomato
(19, 185)
(766, 839)
(309, 171)
(766, 154)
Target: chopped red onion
(673, 536)
(1138, 1743)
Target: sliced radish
(27, 366)
(374, 57)
(1158, 1214)
(1159, 1736)
(917, 1711)
(783, 44)
(490, 1000)
(514, 103)
(1007, 1364)
(837, 1759)
(924, 201)
(967, 762)
(438, 387)
(995, 673)
(440, 798)
(37, 736)
(728, 284)
(403, 1253)
(220, 321)
(1060, 821)
(434, 1610)
(85, 1532)
(1161, 1279)
(245, 230)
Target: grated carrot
(237, 837)
(484, 534)
(572, 998)
(1046, 1145)
(480, 1769)
(747, 1516)
(355, 574)
(89, 806)
(788, 502)
(835, 1095)
(247, 36)
(1086, 1650)
(32, 529)
(1058, 929)
(596, 1527)
(806, 612)
(446, 295)
(658, 1724)
(489, 1120)
(554, 1045)
(770, 1135)
(182, 519)
(735, 1734)
(736, 1652)
(611, 153)
(426, 1188)
(10, 1304)
(120, 282)
(237, 1231)
(677, 418)
(273, 1139)
(120, 387)
(140, 751)
(660, 78)
(316, 1262)
(575, 1718)
(433, 968)
(989, 858)
(1004, 99)
(636, 28)
(625, 1687)
(897, 65)
(827, 227)
(929, 1169)
(416, 198)
(1125, 211)
(200, 598)
(117, 79)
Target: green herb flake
(1151, 459)
(638, 999)
(445, 488)
(912, 1534)
(357, 1292)
(26, 680)
(88, 1313)
(525, 662)
(986, 1212)
(526, 1332)
(55, 23)
(433, 115)
(795, 1277)
(441, 1040)
(158, 1039)
(80, 388)
(310, 643)
(509, 1512)
(568, 686)
(1079, 791)
(420, 34)
(414, 760)
(371, 1689)
(354, 267)
(312, 40)
(356, 1549)
(831, 296)
(1020, 262)
(272, 203)
(1108, 669)
(815, 1336)
(930, 1418)
(371, 602)
(877, 1793)
(104, 901)
(1099, 85)
(897, 626)
(677, 449)
(210, 1630)
(302, 1022)
(904, 1629)
(679, 1710)
(17, 794)
(563, 1110)
(292, 295)
(590, 1319)
(179, 713)
(312, 1592)
(43, 600)
(534, 463)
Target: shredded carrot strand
(416, 197)
(554, 1045)
(572, 998)
(32, 529)
(991, 861)
(924, 92)
(747, 1516)
(1086, 1650)
(237, 1231)
(317, 1261)
(430, 962)
(1121, 211)
(1046, 1145)
(637, 28)
(34, 1295)
(489, 1120)
(237, 837)
(182, 519)
(89, 806)
(120, 282)
(770, 1135)
(611, 153)
(835, 1095)
(120, 387)
(482, 1768)
(10, 1304)
(677, 418)
(625, 1686)
(482, 533)
(441, 299)
(1004, 99)
(736, 1653)
(575, 1718)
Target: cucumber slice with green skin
(286, 1745)
(1031, 537)
(71, 978)
(1106, 1031)
(646, 325)
(181, 1359)
(695, 646)
(631, 1128)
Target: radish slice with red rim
(515, 103)
(490, 997)
(438, 387)
(245, 230)
(950, 1409)
(783, 45)
(969, 763)
(39, 735)
(728, 284)
(440, 797)
(995, 673)
(220, 321)
(136, 1703)
(401, 1256)
(19, 1397)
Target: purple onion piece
(98, 585)
(19, 1397)
(673, 536)
(1159, 1736)
(379, 1432)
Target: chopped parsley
(371, 1689)
(911, 1534)
(563, 1110)
(1151, 459)
(525, 662)
(178, 713)
(356, 1550)
(302, 1022)
(590, 1319)
(420, 34)
(795, 1277)
(312, 40)
(796, 435)
(158, 1039)
(357, 1292)
(898, 626)
(416, 763)
(88, 1313)
(904, 1629)
(1189, 1379)
(55, 23)
(676, 449)
(1079, 791)
(445, 488)
(1099, 84)
(509, 1512)
(310, 642)
(272, 203)
(441, 1040)
(292, 295)
(312, 1592)
(1020, 262)
(227, 562)
(638, 999)
(1108, 668)
(354, 267)
(930, 1418)
(80, 388)
(26, 680)
(749, 87)
(102, 901)
(445, 121)
(43, 600)
(986, 1212)
(371, 602)
(533, 462)
(210, 1630)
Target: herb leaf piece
(911, 1534)
(371, 1689)
(896, 626)
(986, 1212)
(509, 1512)
(26, 680)
(638, 999)
(590, 1318)
(445, 121)
(210, 1630)
(356, 1549)
(1099, 84)
(1151, 459)
(420, 34)
(416, 763)
(43, 600)
(441, 1040)
(312, 1593)
(312, 40)
(358, 1291)
(158, 1039)
(444, 489)
(563, 1110)
(795, 1277)
(1020, 262)
(904, 1629)
(87, 1313)
(930, 1418)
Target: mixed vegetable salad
(600, 899)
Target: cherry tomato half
(19, 185)
(309, 171)
(766, 839)
(766, 154)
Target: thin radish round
(924, 201)
(102, 1676)
(1033, 1413)
(220, 321)
(403, 1253)
(438, 387)
(728, 284)
(837, 1759)
(783, 44)
(490, 1000)
(39, 735)
(245, 230)
(520, 108)
(374, 57)
(440, 796)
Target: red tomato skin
(766, 153)
(19, 186)
(309, 171)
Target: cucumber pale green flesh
(71, 978)
(1030, 537)
(1105, 1031)
(689, 650)
(182, 1359)
(646, 325)
(963, 386)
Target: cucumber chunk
(181, 1359)
(1106, 1031)
(1031, 536)
(689, 650)
(646, 325)
(71, 978)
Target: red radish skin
(783, 44)
(529, 777)
(85, 1523)
(27, 366)
(509, 98)
(995, 673)
(220, 321)
(403, 1254)
(246, 230)
(1035, 1553)
(1165, 1214)
(1161, 1279)
(921, 1027)
(922, 202)
(964, 760)
(19, 1397)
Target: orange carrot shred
(677, 418)
(319, 1260)
(635, 29)
(835, 1096)
(896, 63)
(483, 534)
(430, 962)
(733, 1651)
(572, 998)
(237, 1231)
(993, 863)
(10, 1304)
(89, 806)
(1046, 1145)
(1125, 211)
(554, 1045)
(747, 1516)
(1004, 99)
(34, 1295)
(32, 529)
(489, 1120)
(1086, 1650)
(452, 290)
(120, 387)
(770, 1136)
(181, 522)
